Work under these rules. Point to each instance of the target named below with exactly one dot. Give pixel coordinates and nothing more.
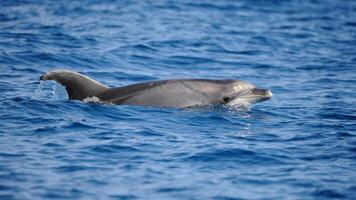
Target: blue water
(301, 144)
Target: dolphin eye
(226, 99)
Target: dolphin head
(244, 94)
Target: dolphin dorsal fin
(78, 86)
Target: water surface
(301, 144)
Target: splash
(38, 90)
(54, 92)
(49, 91)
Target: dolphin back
(168, 93)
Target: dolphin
(180, 93)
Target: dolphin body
(179, 93)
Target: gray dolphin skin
(180, 93)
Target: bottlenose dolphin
(163, 93)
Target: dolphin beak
(269, 94)
(261, 92)
(254, 95)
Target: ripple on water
(242, 156)
(112, 149)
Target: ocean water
(301, 144)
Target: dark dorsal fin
(78, 86)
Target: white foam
(239, 103)
(93, 99)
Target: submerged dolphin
(163, 93)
